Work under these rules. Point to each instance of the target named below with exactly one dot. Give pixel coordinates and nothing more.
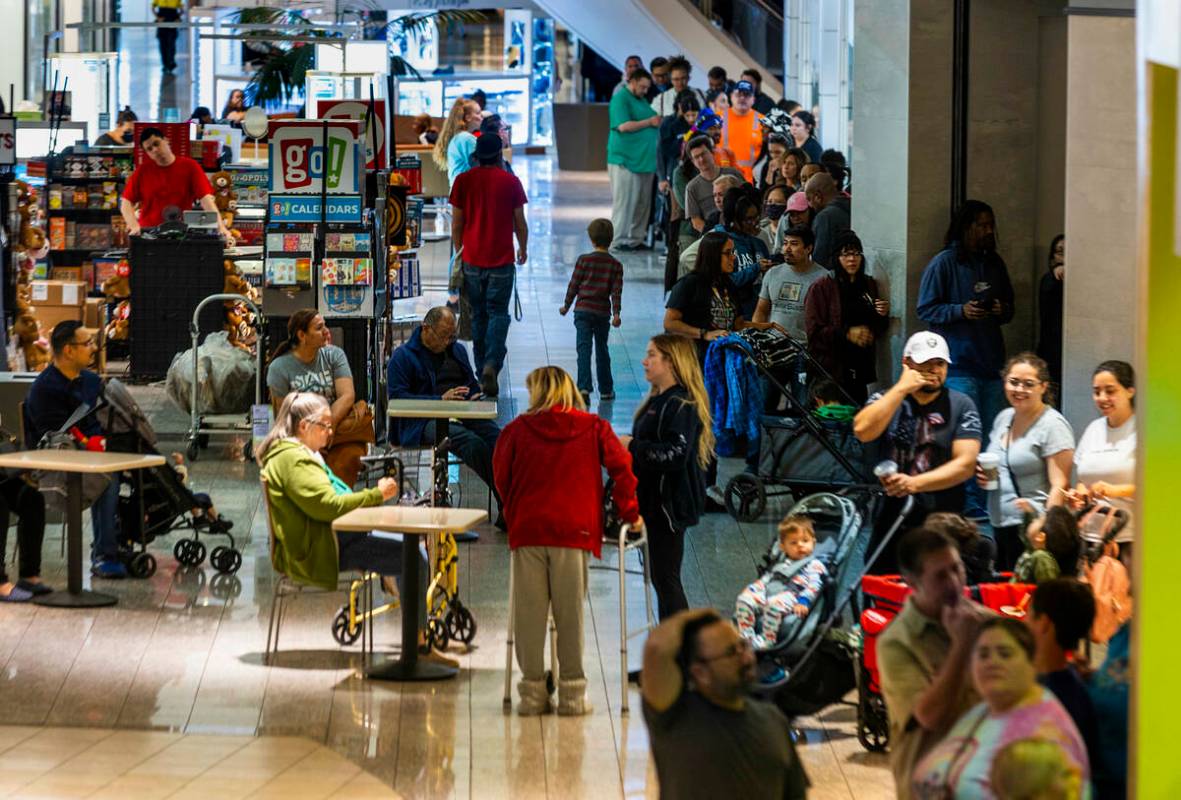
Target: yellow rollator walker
(350, 620)
(447, 618)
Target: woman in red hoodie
(548, 465)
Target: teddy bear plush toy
(118, 286)
(117, 327)
(30, 341)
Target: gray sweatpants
(631, 200)
(545, 577)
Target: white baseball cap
(925, 345)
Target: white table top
(78, 461)
(439, 409)
(414, 520)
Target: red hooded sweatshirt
(549, 473)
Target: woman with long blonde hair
(456, 145)
(672, 443)
(549, 471)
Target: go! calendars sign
(301, 162)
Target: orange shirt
(743, 135)
(724, 158)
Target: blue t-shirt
(460, 153)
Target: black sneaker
(488, 382)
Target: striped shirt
(597, 282)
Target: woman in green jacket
(305, 498)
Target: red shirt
(182, 183)
(549, 472)
(487, 196)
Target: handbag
(53, 485)
(350, 442)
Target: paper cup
(989, 464)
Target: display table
(410, 521)
(442, 412)
(76, 463)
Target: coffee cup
(885, 469)
(989, 464)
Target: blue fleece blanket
(735, 392)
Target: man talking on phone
(965, 296)
(433, 365)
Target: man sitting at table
(432, 365)
(57, 393)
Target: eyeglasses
(850, 254)
(319, 423)
(738, 648)
(728, 254)
(1017, 383)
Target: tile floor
(165, 695)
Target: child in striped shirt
(597, 283)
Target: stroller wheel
(189, 552)
(193, 450)
(461, 625)
(340, 628)
(873, 726)
(223, 586)
(225, 560)
(746, 497)
(143, 565)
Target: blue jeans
(104, 519)
(489, 290)
(989, 396)
(593, 328)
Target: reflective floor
(182, 652)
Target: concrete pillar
(1101, 203)
(832, 53)
(791, 49)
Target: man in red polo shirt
(164, 180)
(488, 207)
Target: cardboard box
(49, 316)
(60, 293)
(94, 313)
(66, 273)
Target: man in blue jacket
(965, 296)
(432, 365)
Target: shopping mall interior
(959, 145)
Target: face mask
(775, 210)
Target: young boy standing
(597, 283)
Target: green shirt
(635, 151)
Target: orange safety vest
(745, 141)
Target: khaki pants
(545, 577)
(631, 200)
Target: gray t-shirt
(786, 289)
(704, 750)
(699, 194)
(1049, 434)
(288, 374)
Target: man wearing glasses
(432, 365)
(709, 737)
(60, 389)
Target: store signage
(7, 141)
(302, 163)
(306, 208)
(357, 109)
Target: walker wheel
(746, 497)
(340, 628)
(461, 625)
(436, 634)
(143, 565)
(193, 450)
(225, 560)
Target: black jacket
(664, 459)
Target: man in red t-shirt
(488, 207)
(164, 180)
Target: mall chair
(286, 588)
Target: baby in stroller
(782, 596)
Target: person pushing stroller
(786, 590)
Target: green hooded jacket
(303, 505)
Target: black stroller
(159, 501)
(797, 450)
(819, 658)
